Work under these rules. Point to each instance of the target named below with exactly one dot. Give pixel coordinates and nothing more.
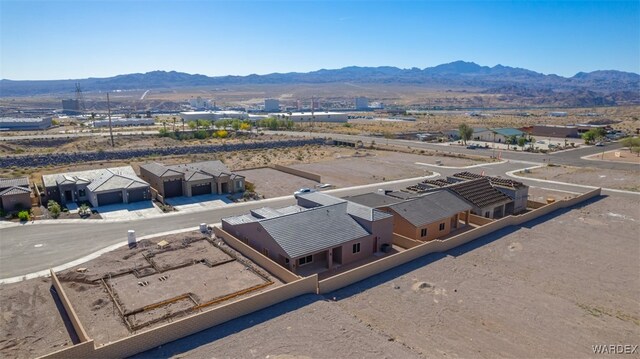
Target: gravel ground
(30, 324)
(273, 183)
(618, 179)
(551, 288)
(375, 166)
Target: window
(305, 260)
(356, 248)
(266, 252)
(423, 232)
(487, 214)
(82, 193)
(286, 261)
(442, 226)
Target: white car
(303, 191)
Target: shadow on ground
(234, 326)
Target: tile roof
(111, 181)
(14, 190)
(313, 230)
(353, 208)
(374, 200)
(84, 176)
(159, 169)
(10, 182)
(479, 192)
(430, 207)
(495, 181)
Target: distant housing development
(15, 194)
(319, 233)
(315, 116)
(191, 179)
(98, 187)
(22, 124)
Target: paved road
(4, 137)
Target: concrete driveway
(136, 210)
(198, 203)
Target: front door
(68, 196)
(375, 245)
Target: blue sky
(78, 39)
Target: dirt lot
(376, 166)
(273, 183)
(32, 326)
(618, 179)
(552, 288)
(625, 156)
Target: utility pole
(109, 114)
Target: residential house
(15, 194)
(486, 200)
(191, 179)
(98, 187)
(425, 217)
(320, 232)
(500, 135)
(517, 191)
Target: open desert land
(190, 272)
(623, 155)
(616, 179)
(551, 288)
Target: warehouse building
(313, 116)
(25, 124)
(213, 115)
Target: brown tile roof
(479, 192)
(10, 182)
(495, 181)
(14, 190)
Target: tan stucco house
(191, 179)
(320, 232)
(430, 216)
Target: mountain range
(458, 74)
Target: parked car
(303, 191)
(599, 144)
(472, 147)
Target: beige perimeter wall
(299, 173)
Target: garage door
(138, 194)
(172, 189)
(201, 189)
(109, 198)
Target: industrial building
(123, 122)
(213, 115)
(319, 233)
(25, 124)
(271, 105)
(313, 116)
(362, 103)
(71, 107)
(98, 187)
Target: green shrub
(54, 208)
(24, 216)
